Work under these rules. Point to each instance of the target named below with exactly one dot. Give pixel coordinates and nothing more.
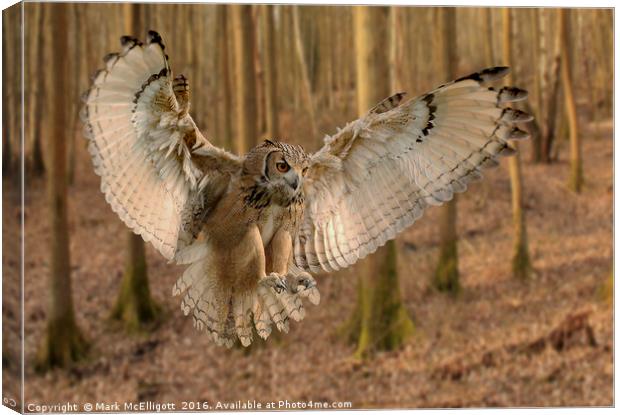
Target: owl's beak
(293, 182)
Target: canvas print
(292, 207)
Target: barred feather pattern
(378, 175)
(142, 144)
(226, 313)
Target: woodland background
(500, 299)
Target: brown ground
(502, 342)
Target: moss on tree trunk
(446, 276)
(606, 291)
(134, 307)
(62, 346)
(521, 265)
(380, 321)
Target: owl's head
(278, 169)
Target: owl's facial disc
(285, 176)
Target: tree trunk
(551, 88)
(305, 76)
(521, 266)
(38, 162)
(270, 73)
(63, 343)
(328, 51)
(223, 107)
(11, 84)
(31, 44)
(535, 148)
(395, 49)
(380, 321)
(446, 276)
(75, 29)
(576, 169)
(259, 77)
(489, 57)
(245, 85)
(134, 309)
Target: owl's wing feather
(158, 172)
(377, 175)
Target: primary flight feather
(251, 228)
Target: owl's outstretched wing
(158, 172)
(377, 175)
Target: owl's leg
(278, 255)
(277, 290)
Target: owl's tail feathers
(226, 313)
(208, 301)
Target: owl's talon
(275, 282)
(304, 286)
(312, 294)
(305, 282)
(280, 287)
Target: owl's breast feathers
(270, 211)
(256, 196)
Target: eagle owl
(251, 228)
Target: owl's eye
(282, 166)
(304, 171)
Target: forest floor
(501, 342)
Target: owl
(250, 229)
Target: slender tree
(380, 321)
(284, 34)
(489, 57)
(446, 277)
(245, 85)
(576, 169)
(31, 38)
(135, 309)
(38, 162)
(303, 66)
(533, 104)
(521, 265)
(536, 99)
(270, 73)
(224, 122)
(549, 90)
(258, 39)
(395, 48)
(11, 84)
(63, 343)
(326, 32)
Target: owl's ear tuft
(268, 141)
